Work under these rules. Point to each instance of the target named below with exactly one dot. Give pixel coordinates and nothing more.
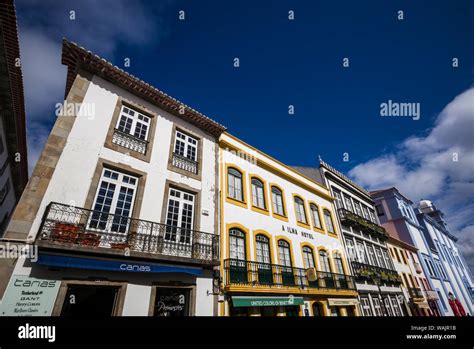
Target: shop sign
(28, 296)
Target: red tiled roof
(75, 58)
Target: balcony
(354, 220)
(415, 293)
(79, 228)
(185, 164)
(128, 141)
(246, 273)
(431, 295)
(374, 274)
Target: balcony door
(237, 255)
(179, 223)
(326, 270)
(284, 254)
(113, 205)
(263, 260)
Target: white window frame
(277, 201)
(308, 257)
(262, 248)
(137, 118)
(188, 143)
(315, 216)
(258, 193)
(232, 188)
(300, 210)
(183, 234)
(329, 222)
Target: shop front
(265, 305)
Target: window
(185, 152)
(361, 252)
(277, 201)
(372, 258)
(372, 216)
(388, 308)
(365, 212)
(133, 123)
(358, 208)
(337, 195)
(237, 248)
(396, 307)
(315, 215)
(2, 147)
(115, 196)
(258, 193)
(180, 215)
(351, 252)
(348, 202)
(263, 249)
(328, 221)
(365, 304)
(324, 261)
(403, 257)
(442, 300)
(300, 211)
(388, 261)
(284, 253)
(378, 253)
(397, 255)
(235, 185)
(338, 263)
(308, 257)
(379, 210)
(377, 307)
(185, 146)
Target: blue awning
(113, 265)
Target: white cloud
(423, 167)
(100, 26)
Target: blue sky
(282, 63)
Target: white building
(282, 253)
(451, 264)
(377, 281)
(122, 203)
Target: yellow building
(281, 250)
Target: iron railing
(375, 274)
(129, 141)
(78, 226)
(354, 220)
(241, 272)
(415, 292)
(184, 163)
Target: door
(264, 267)
(113, 205)
(237, 255)
(91, 301)
(287, 276)
(179, 223)
(172, 302)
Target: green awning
(243, 301)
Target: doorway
(89, 300)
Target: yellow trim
(299, 223)
(321, 303)
(319, 215)
(290, 290)
(331, 265)
(265, 210)
(239, 226)
(228, 199)
(292, 257)
(289, 172)
(335, 233)
(274, 214)
(311, 246)
(270, 243)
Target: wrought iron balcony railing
(354, 220)
(78, 226)
(415, 292)
(184, 163)
(375, 274)
(129, 141)
(241, 272)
